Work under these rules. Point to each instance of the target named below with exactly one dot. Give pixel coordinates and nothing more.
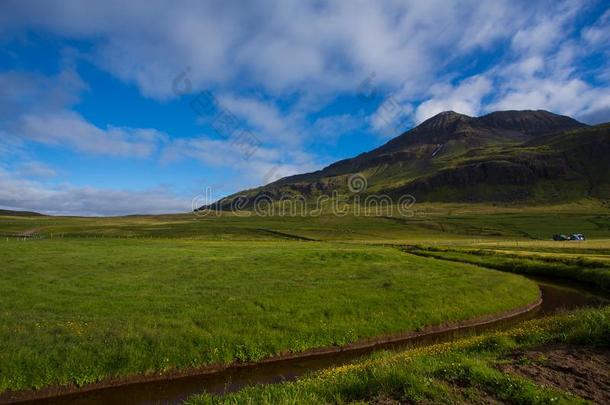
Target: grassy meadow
(86, 299)
(80, 310)
(438, 224)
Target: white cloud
(254, 166)
(598, 33)
(270, 125)
(37, 107)
(550, 77)
(283, 46)
(35, 169)
(22, 194)
(10, 145)
(35, 93)
(529, 66)
(305, 47)
(71, 130)
(542, 70)
(330, 128)
(464, 98)
(567, 97)
(391, 117)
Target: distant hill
(11, 213)
(505, 156)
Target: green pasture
(78, 310)
(86, 299)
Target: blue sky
(113, 107)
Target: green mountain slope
(505, 156)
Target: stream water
(555, 297)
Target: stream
(555, 297)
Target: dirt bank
(583, 371)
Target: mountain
(504, 156)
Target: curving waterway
(555, 297)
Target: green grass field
(438, 224)
(85, 299)
(80, 310)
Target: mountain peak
(493, 128)
(445, 117)
(511, 124)
(446, 121)
(448, 113)
(530, 122)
